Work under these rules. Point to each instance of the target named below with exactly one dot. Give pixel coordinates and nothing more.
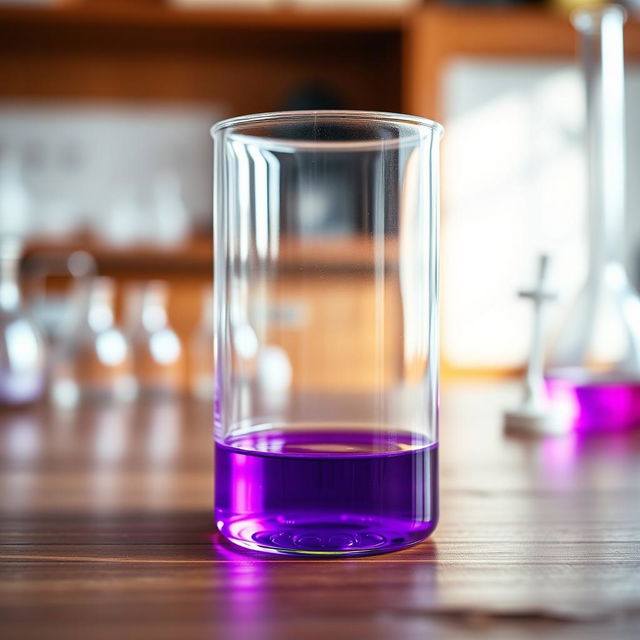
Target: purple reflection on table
(596, 406)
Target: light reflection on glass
(164, 346)
(99, 317)
(245, 341)
(111, 348)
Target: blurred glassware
(156, 349)
(148, 212)
(201, 351)
(15, 201)
(593, 372)
(52, 174)
(50, 310)
(93, 362)
(75, 156)
(22, 350)
(125, 222)
(169, 213)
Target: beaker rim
(419, 129)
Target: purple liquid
(326, 492)
(597, 406)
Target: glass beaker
(326, 361)
(155, 347)
(593, 370)
(93, 361)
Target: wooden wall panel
(244, 69)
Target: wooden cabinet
(247, 60)
(251, 58)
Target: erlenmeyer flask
(93, 362)
(156, 349)
(593, 371)
(22, 352)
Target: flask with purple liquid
(593, 372)
(325, 313)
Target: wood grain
(106, 531)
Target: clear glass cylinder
(326, 346)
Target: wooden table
(106, 532)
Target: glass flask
(201, 351)
(155, 347)
(93, 361)
(53, 310)
(22, 350)
(325, 308)
(593, 372)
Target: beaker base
(326, 492)
(339, 536)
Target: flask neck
(602, 55)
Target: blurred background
(106, 171)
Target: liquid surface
(597, 406)
(326, 492)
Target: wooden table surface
(106, 531)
